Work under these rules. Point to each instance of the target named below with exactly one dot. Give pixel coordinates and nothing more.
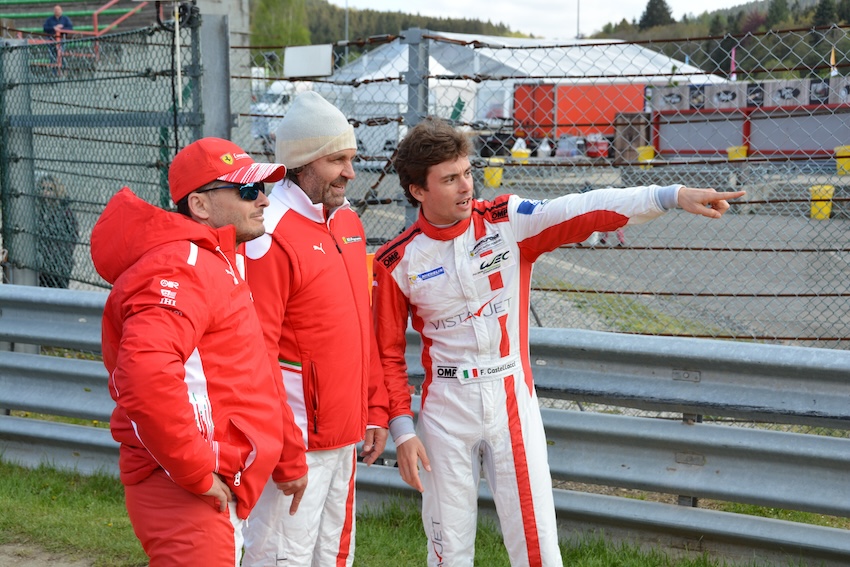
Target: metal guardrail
(679, 457)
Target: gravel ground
(28, 555)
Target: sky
(548, 19)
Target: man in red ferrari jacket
(310, 283)
(200, 411)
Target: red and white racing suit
(466, 288)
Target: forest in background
(306, 22)
(277, 23)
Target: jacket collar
(129, 227)
(445, 233)
(293, 197)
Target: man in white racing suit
(462, 273)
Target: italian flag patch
(467, 374)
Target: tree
(753, 22)
(624, 27)
(842, 11)
(717, 25)
(777, 12)
(825, 13)
(657, 13)
(279, 22)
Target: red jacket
(195, 390)
(310, 283)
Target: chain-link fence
(81, 119)
(765, 113)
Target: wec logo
(493, 263)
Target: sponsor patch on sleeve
(530, 207)
(351, 239)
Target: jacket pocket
(237, 453)
(313, 381)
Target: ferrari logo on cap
(227, 158)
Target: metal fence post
(18, 173)
(416, 78)
(683, 499)
(214, 35)
(196, 78)
(19, 213)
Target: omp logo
(390, 259)
(500, 213)
(227, 159)
(447, 371)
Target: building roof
(463, 56)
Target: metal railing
(678, 455)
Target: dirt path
(27, 555)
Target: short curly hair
(431, 142)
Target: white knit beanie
(312, 128)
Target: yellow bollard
(645, 156)
(521, 155)
(842, 160)
(821, 201)
(737, 153)
(493, 172)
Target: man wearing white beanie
(309, 279)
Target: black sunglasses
(248, 192)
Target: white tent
(481, 71)
(472, 79)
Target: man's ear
(417, 192)
(200, 206)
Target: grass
(632, 316)
(78, 516)
(779, 514)
(61, 419)
(83, 518)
